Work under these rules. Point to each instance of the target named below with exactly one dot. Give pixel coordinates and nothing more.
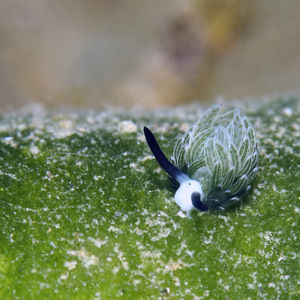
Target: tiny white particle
(115, 229)
(67, 124)
(181, 214)
(64, 276)
(271, 284)
(87, 259)
(70, 264)
(97, 242)
(9, 140)
(288, 111)
(127, 127)
(34, 150)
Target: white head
(183, 195)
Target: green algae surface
(87, 213)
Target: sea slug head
(189, 196)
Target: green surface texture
(87, 213)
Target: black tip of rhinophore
(196, 201)
(160, 157)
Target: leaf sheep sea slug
(214, 162)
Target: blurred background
(99, 53)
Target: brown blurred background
(99, 53)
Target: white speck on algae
(70, 264)
(127, 126)
(86, 258)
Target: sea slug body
(214, 162)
